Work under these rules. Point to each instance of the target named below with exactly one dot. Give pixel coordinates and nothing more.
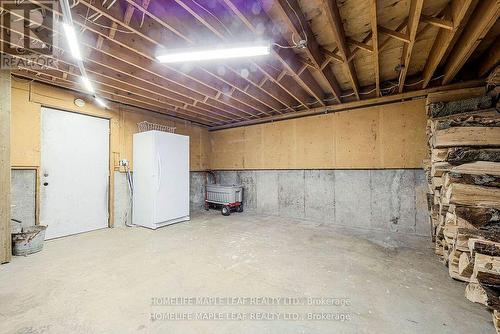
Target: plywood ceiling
(356, 50)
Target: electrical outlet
(123, 162)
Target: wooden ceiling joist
(201, 74)
(299, 27)
(394, 34)
(45, 78)
(130, 51)
(483, 18)
(286, 57)
(490, 60)
(455, 12)
(121, 39)
(215, 26)
(413, 20)
(125, 74)
(374, 35)
(335, 21)
(437, 22)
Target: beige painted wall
(27, 99)
(388, 136)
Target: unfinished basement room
(250, 166)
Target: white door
(74, 173)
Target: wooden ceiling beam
(180, 84)
(382, 45)
(124, 73)
(53, 79)
(214, 25)
(360, 45)
(374, 34)
(135, 52)
(286, 57)
(356, 49)
(332, 55)
(413, 20)
(490, 59)
(456, 12)
(437, 22)
(394, 34)
(478, 25)
(132, 95)
(335, 22)
(298, 25)
(201, 74)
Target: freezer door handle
(159, 172)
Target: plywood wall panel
(406, 127)
(310, 132)
(357, 139)
(25, 135)
(388, 136)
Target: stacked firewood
(463, 173)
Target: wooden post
(5, 238)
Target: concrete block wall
(390, 200)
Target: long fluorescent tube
(210, 54)
(87, 84)
(72, 41)
(101, 102)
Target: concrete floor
(104, 281)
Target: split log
(490, 119)
(467, 136)
(486, 277)
(439, 168)
(453, 266)
(480, 180)
(472, 195)
(441, 109)
(485, 247)
(483, 295)
(439, 154)
(465, 265)
(477, 167)
(474, 217)
(496, 320)
(460, 155)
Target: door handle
(45, 184)
(159, 173)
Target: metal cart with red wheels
(227, 198)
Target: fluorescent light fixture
(72, 41)
(87, 84)
(211, 54)
(101, 102)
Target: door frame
(111, 179)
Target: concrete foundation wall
(390, 200)
(383, 200)
(23, 193)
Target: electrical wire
(105, 26)
(215, 17)
(130, 183)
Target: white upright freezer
(161, 179)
